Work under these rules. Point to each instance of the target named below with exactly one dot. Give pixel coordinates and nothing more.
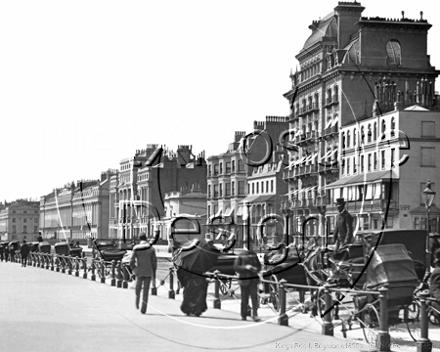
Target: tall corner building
(351, 68)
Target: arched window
(348, 139)
(384, 126)
(393, 126)
(354, 137)
(394, 53)
(362, 135)
(343, 140)
(369, 133)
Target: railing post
(63, 264)
(125, 276)
(283, 319)
(327, 326)
(217, 302)
(102, 268)
(424, 344)
(77, 266)
(84, 261)
(113, 280)
(119, 281)
(69, 264)
(52, 258)
(171, 293)
(92, 267)
(383, 337)
(57, 263)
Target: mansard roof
(325, 28)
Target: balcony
(376, 205)
(329, 131)
(331, 100)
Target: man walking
(248, 266)
(344, 225)
(24, 252)
(143, 263)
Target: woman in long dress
(195, 290)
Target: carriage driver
(434, 281)
(344, 225)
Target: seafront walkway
(42, 310)
(45, 310)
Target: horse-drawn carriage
(63, 248)
(389, 258)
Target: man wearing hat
(143, 262)
(344, 225)
(434, 280)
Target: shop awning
(363, 179)
(258, 199)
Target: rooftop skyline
(85, 85)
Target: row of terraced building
(363, 125)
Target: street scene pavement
(48, 311)
(66, 313)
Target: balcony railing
(368, 205)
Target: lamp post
(428, 196)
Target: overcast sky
(84, 84)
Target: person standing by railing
(2, 251)
(12, 253)
(24, 252)
(434, 281)
(248, 266)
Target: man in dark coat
(24, 252)
(248, 266)
(434, 281)
(2, 250)
(12, 253)
(143, 263)
(344, 225)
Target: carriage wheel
(225, 286)
(274, 294)
(412, 320)
(370, 323)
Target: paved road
(48, 311)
